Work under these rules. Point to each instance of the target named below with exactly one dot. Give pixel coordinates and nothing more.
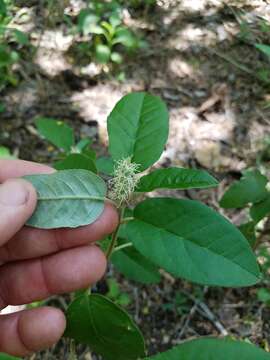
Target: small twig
(137, 304)
(189, 317)
(234, 63)
(204, 311)
(208, 314)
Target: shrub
(184, 237)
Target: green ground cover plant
(105, 36)
(251, 192)
(184, 237)
(9, 36)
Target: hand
(36, 263)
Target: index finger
(18, 168)
(30, 243)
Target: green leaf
(250, 189)
(138, 128)
(83, 144)
(21, 37)
(3, 8)
(90, 153)
(135, 266)
(105, 165)
(108, 330)
(88, 23)
(125, 37)
(263, 295)
(103, 53)
(264, 48)
(116, 57)
(76, 161)
(5, 56)
(115, 19)
(57, 132)
(5, 153)
(192, 241)
(67, 198)
(176, 178)
(213, 349)
(261, 209)
(248, 230)
(2, 108)
(114, 289)
(7, 357)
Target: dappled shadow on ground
(216, 116)
(216, 112)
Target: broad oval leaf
(248, 230)
(213, 349)
(8, 357)
(57, 132)
(261, 209)
(176, 178)
(67, 198)
(102, 53)
(76, 161)
(105, 165)
(135, 266)
(192, 241)
(249, 189)
(3, 8)
(138, 128)
(104, 326)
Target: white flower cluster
(124, 182)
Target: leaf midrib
(70, 197)
(203, 248)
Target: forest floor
(202, 61)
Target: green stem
(115, 234)
(121, 247)
(72, 350)
(127, 219)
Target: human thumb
(17, 203)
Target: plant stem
(127, 219)
(72, 351)
(120, 247)
(115, 234)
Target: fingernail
(13, 193)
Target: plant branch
(127, 219)
(115, 234)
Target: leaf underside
(67, 198)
